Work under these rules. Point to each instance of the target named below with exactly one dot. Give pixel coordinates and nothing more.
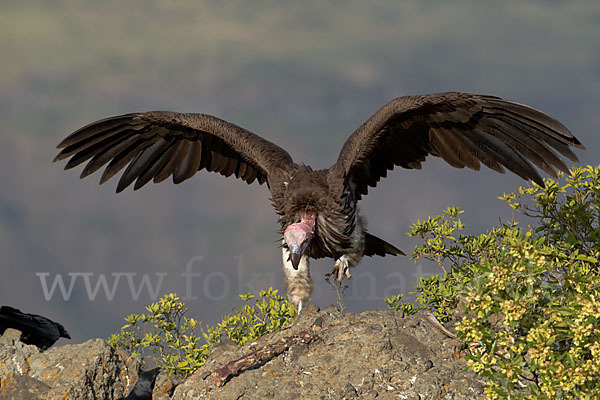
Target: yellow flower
(476, 366)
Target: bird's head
(62, 331)
(297, 236)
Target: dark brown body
(339, 229)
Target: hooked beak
(295, 255)
(297, 237)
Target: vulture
(35, 329)
(317, 209)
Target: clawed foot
(341, 269)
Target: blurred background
(303, 75)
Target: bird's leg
(299, 307)
(341, 269)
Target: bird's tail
(379, 247)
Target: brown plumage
(317, 209)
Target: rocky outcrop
(370, 355)
(90, 370)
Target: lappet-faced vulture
(318, 209)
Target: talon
(341, 269)
(335, 271)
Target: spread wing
(463, 129)
(158, 144)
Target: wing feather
(108, 153)
(190, 163)
(103, 126)
(464, 129)
(230, 167)
(154, 166)
(158, 144)
(122, 159)
(241, 170)
(166, 171)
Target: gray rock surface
(371, 355)
(90, 370)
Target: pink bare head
(297, 236)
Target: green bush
(180, 346)
(530, 300)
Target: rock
(164, 387)
(14, 355)
(10, 337)
(90, 370)
(371, 355)
(22, 387)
